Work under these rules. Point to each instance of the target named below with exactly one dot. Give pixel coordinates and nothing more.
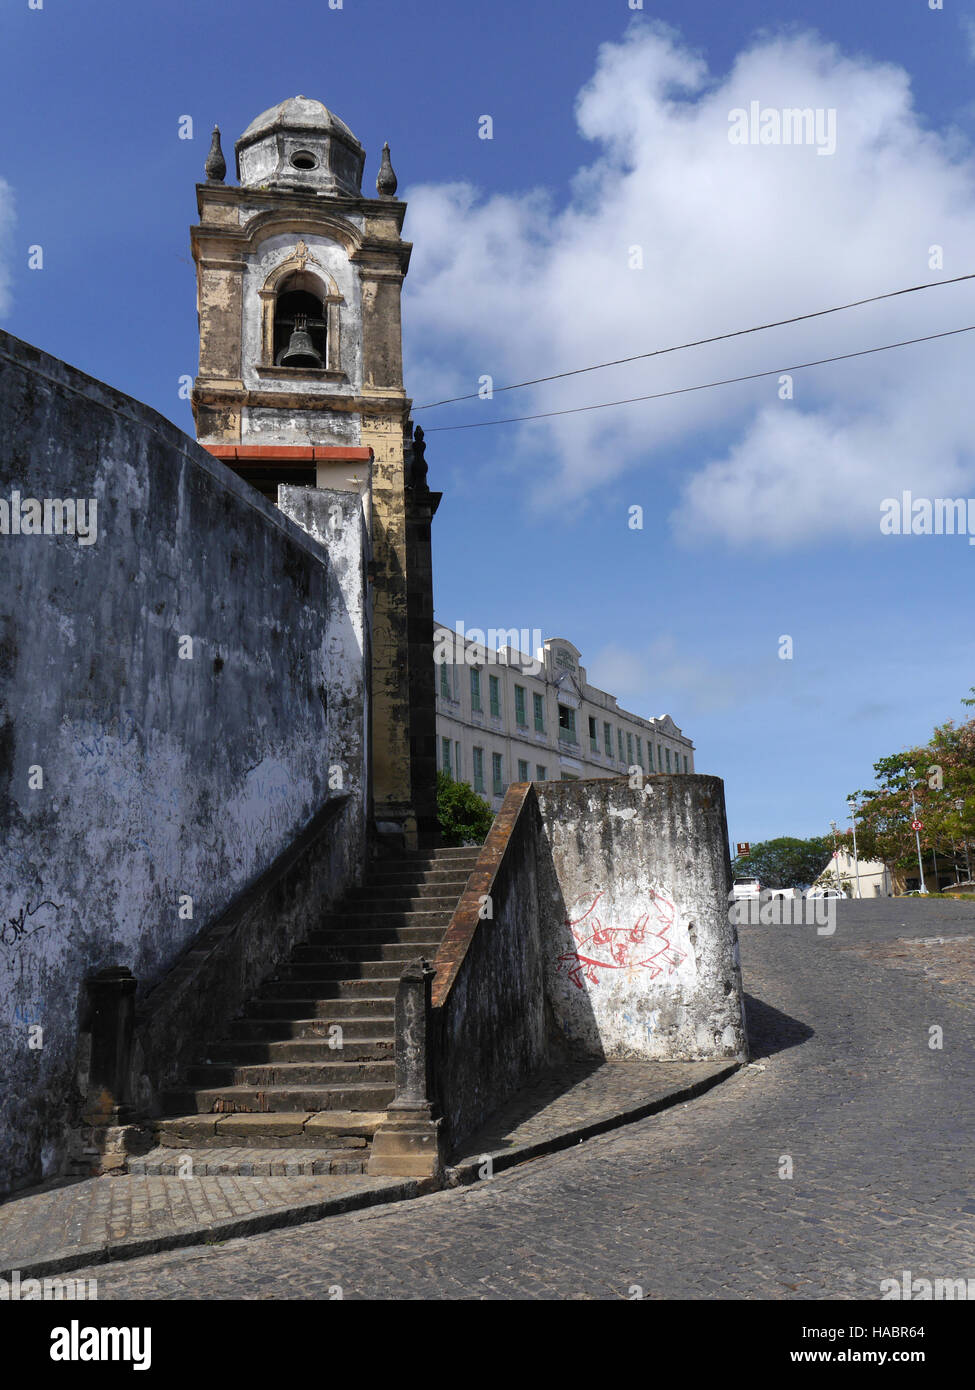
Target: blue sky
(761, 516)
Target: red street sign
(916, 825)
(744, 847)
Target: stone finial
(419, 471)
(216, 166)
(386, 182)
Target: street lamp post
(959, 807)
(917, 839)
(856, 859)
(836, 857)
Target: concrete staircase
(304, 1076)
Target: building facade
(505, 716)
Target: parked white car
(745, 888)
(826, 893)
(782, 893)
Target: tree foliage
(941, 775)
(465, 818)
(785, 862)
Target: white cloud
(6, 238)
(665, 671)
(518, 286)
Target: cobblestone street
(690, 1203)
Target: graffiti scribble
(644, 946)
(15, 930)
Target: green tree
(465, 818)
(785, 862)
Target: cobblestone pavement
(876, 1123)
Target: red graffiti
(644, 946)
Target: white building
(505, 716)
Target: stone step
(382, 906)
(343, 950)
(449, 877)
(323, 989)
(331, 1129)
(276, 1099)
(237, 1052)
(364, 936)
(453, 852)
(257, 1162)
(439, 883)
(386, 921)
(332, 1010)
(271, 1030)
(339, 971)
(289, 1075)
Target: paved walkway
(846, 1094)
(175, 1198)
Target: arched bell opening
(300, 322)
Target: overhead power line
(705, 386)
(699, 342)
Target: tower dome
(300, 144)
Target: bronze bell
(300, 352)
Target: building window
(568, 777)
(522, 770)
(608, 740)
(650, 754)
(639, 750)
(619, 742)
(540, 771)
(478, 756)
(685, 762)
(660, 758)
(539, 714)
(667, 751)
(445, 690)
(458, 766)
(494, 696)
(567, 724)
(629, 749)
(445, 756)
(476, 707)
(497, 774)
(521, 712)
(593, 735)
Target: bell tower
(300, 381)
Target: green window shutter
(445, 756)
(497, 774)
(639, 751)
(521, 714)
(629, 749)
(619, 742)
(608, 740)
(494, 696)
(445, 690)
(540, 771)
(650, 754)
(539, 705)
(522, 770)
(667, 753)
(478, 755)
(475, 689)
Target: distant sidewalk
(50, 1231)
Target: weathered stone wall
(141, 781)
(608, 937)
(641, 960)
(493, 1027)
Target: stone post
(112, 996)
(407, 1143)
